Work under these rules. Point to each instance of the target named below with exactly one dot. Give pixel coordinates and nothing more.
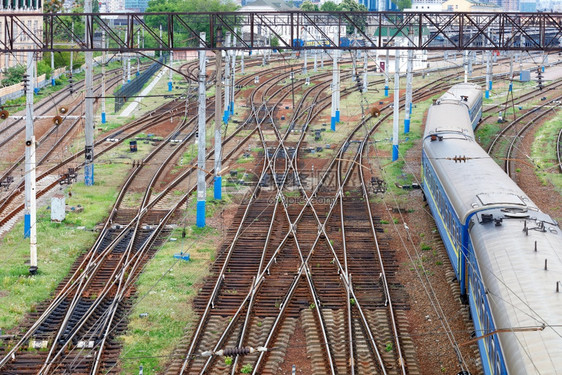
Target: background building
(32, 23)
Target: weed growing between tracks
(166, 295)
(21, 292)
(543, 153)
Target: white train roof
(477, 182)
(467, 93)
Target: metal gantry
(250, 30)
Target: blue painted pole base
(89, 175)
(490, 88)
(231, 108)
(26, 225)
(128, 81)
(182, 256)
(36, 91)
(394, 152)
(225, 116)
(53, 81)
(487, 94)
(138, 73)
(200, 220)
(333, 124)
(218, 187)
(170, 86)
(542, 67)
(406, 126)
(385, 90)
(337, 116)
(103, 119)
(510, 87)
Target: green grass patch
(543, 153)
(165, 290)
(21, 292)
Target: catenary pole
(89, 105)
(202, 101)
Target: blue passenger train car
(497, 240)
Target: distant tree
(353, 6)
(198, 24)
(402, 4)
(52, 6)
(13, 75)
(309, 7)
(329, 6)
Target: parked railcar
(506, 253)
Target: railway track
(515, 131)
(81, 323)
(255, 297)
(559, 150)
(118, 255)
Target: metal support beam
(89, 105)
(202, 102)
(454, 31)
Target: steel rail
(559, 149)
(502, 133)
(72, 284)
(524, 128)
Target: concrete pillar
(386, 76)
(304, 71)
(128, 67)
(227, 81)
(408, 102)
(202, 101)
(365, 71)
(333, 87)
(72, 53)
(89, 109)
(103, 62)
(138, 55)
(488, 73)
(465, 63)
(396, 107)
(233, 72)
(52, 68)
(171, 72)
(218, 122)
(29, 149)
